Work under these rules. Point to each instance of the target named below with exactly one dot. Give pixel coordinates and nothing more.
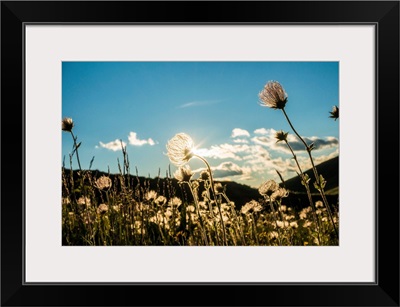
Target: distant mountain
(169, 187)
(240, 193)
(328, 169)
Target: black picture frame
(383, 14)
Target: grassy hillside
(329, 169)
(240, 193)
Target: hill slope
(328, 169)
(240, 193)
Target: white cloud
(114, 145)
(239, 132)
(188, 104)
(228, 169)
(133, 140)
(226, 151)
(257, 158)
(263, 131)
(198, 103)
(268, 140)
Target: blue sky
(216, 103)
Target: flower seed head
(273, 95)
(84, 201)
(179, 149)
(281, 136)
(279, 194)
(268, 188)
(101, 209)
(183, 174)
(204, 175)
(219, 188)
(150, 195)
(175, 202)
(334, 113)
(67, 124)
(250, 207)
(103, 183)
(161, 200)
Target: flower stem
(276, 221)
(76, 150)
(81, 178)
(214, 194)
(236, 218)
(316, 219)
(254, 229)
(198, 213)
(317, 179)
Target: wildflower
(180, 149)
(268, 188)
(103, 183)
(168, 213)
(160, 200)
(219, 188)
(281, 136)
(279, 194)
(225, 207)
(84, 201)
(195, 185)
(67, 124)
(282, 224)
(175, 202)
(151, 195)
(117, 208)
(204, 175)
(319, 204)
(289, 217)
(294, 224)
(273, 95)
(102, 208)
(273, 235)
(283, 208)
(203, 205)
(183, 174)
(251, 206)
(307, 224)
(191, 209)
(334, 113)
(303, 213)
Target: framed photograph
(201, 158)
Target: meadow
(125, 209)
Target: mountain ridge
(239, 193)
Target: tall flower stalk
(282, 136)
(180, 151)
(183, 175)
(67, 125)
(274, 96)
(267, 190)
